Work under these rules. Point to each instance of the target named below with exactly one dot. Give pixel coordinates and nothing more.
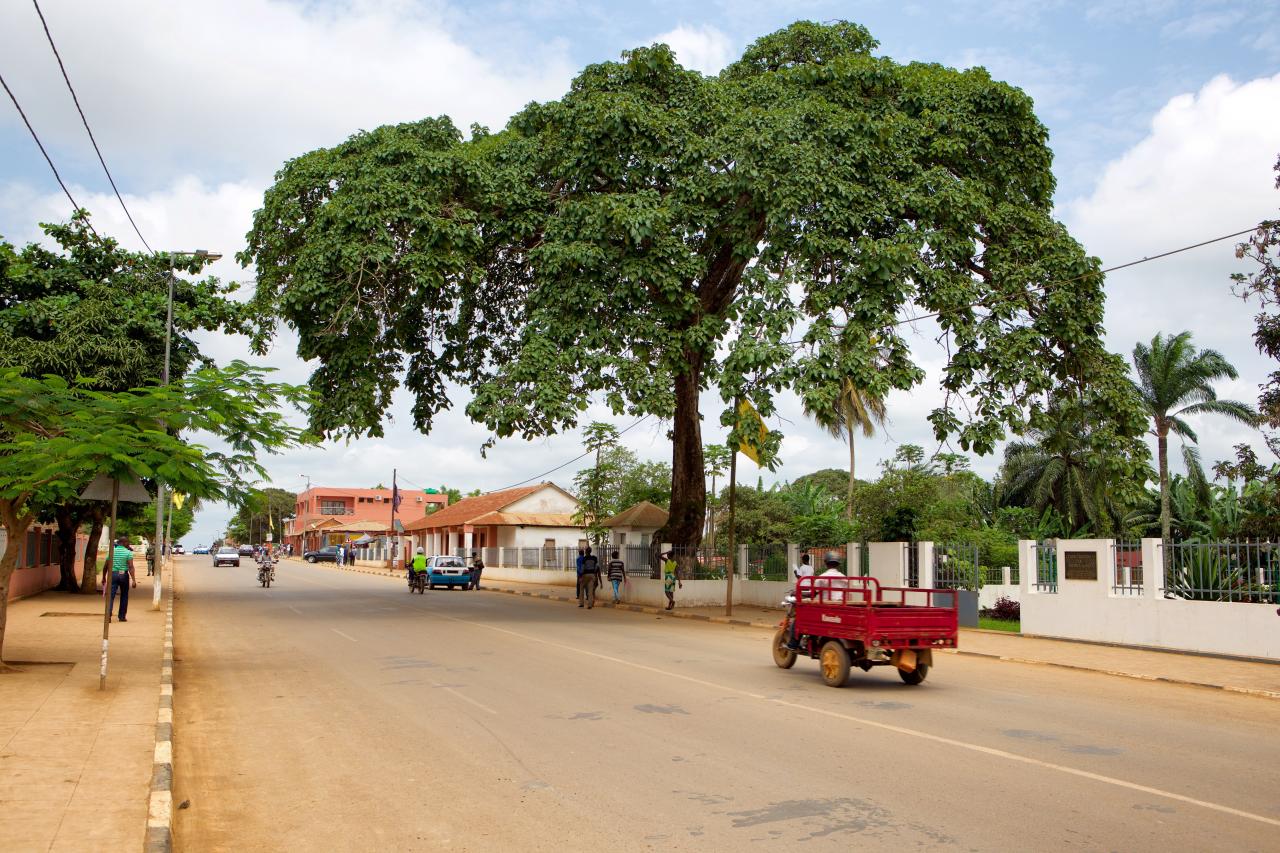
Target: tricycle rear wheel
(834, 663)
(783, 656)
(918, 675)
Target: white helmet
(420, 551)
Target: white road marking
(903, 730)
(340, 634)
(464, 697)
(295, 610)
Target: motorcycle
(417, 582)
(266, 570)
(785, 644)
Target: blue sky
(1162, 116)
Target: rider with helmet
(419, 565)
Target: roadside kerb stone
(159, 837)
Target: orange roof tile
(468, 509)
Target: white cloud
(238, 86)
(1203, 24)
(704, 48)
(1202, 171)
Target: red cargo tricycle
(853, 621)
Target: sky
(1162, 117)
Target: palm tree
(1175, 380)
(854, 409)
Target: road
(335, 711)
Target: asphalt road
(335, 711)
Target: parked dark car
(226, 555)
(327, 554)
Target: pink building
(321, 508)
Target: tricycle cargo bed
(858, 609)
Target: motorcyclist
(266, 563)
(418, 566)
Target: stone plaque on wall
(1081, 565)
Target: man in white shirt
(804, 569)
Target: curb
(1247, 691)
(159, 837)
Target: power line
(74, 204)
(1099, 272)
(87, 129)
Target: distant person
(617, 574)
(151, 559)
(670, 578)
(588, 579)
(577, 592)
(122, 576)
(342, 555)
(477, 568)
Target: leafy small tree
(55, 437)
(1175, 380)
(855, 410)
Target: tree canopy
(657, 232)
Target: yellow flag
(751, 446)
(178, 500)
(271, 524)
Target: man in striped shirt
(122, 576)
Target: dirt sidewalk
(76, 762)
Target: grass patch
(989, 624)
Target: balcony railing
(336, 510)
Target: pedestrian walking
(577, 590)
(670, 578)
(588, 579)
(617, 574)
(342, 555)
(122, 576)
(477, 569)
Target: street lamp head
(205, 253)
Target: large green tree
(1175, 380)
(656, 233)
(91, 310)
(260, 513)
(56, 437)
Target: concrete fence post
(1006, 575)
(744, 563)
(793, 557)
(1027, 566)
(924, 565)
(852, 563)
(1152, 568)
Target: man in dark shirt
(589, 580)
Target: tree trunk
(688, 476)
(15, 528)
(89, 571)
(1162, 451)
(68, 518)
(848, 496)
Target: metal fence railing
(818, 557)
(1126, 578)
(1046, 553)
(955, 566)
(768, 563)
(1241, 571)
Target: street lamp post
(159, 544)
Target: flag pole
(392, 540)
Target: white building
(537, 516)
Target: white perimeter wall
(1091, 610)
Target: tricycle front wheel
(784, 657)
(834, 663)
(916, 676)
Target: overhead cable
(87, 129)
(74, 204)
